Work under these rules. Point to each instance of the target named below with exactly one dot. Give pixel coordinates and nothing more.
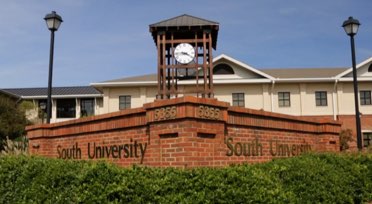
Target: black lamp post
(351, 28)
(53, 21)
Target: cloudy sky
(101, 40)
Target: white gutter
(350, 79)
(181, 82)
(305, 80)
(239, 81)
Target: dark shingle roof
(304, 72)
(184, 20)
(11, 95)
(56, 91)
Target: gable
(363, 70)
(240, 70)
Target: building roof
(56, 91)
(8, 94)
(184, 20)
(148, 77)
(304, 72)
(274, 73)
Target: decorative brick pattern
(184, 132)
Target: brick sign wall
(184, 132)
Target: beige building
(311, 92)
(316, 92)
(300, 92)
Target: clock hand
(185, 53)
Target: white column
(272, 95)
(266, 97)
(143, 98)
(54, 111)
(96, 112)
(106, 102)
(339, 98)
(334, 100)
(77, 108)
(302, 98)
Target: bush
(15, 147)
(323, 178)
(346, 136)
(12, 120)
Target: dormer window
(370, 68)
(222, 69)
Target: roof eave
(360, 79)
(330, 79)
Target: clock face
(184, 53)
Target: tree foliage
(12, 120)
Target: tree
(12, 120)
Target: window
(124, 102)
(222, 69)
(370, 68)
(367, 139)
(321, 98)
(66, 108)
(86, 107)
(238, 99)
(365, 97)
(284, 99)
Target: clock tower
(185, 61)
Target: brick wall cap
(281, 116)
(186, 99)
(88, 119)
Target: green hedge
(317, 178)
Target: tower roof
(183, 23)
(184, 20)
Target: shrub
(325, 178)
(346, 136)
(15, 147)
(320, 178)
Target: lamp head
(351, 26)
(53, 21)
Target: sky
(101, 40)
